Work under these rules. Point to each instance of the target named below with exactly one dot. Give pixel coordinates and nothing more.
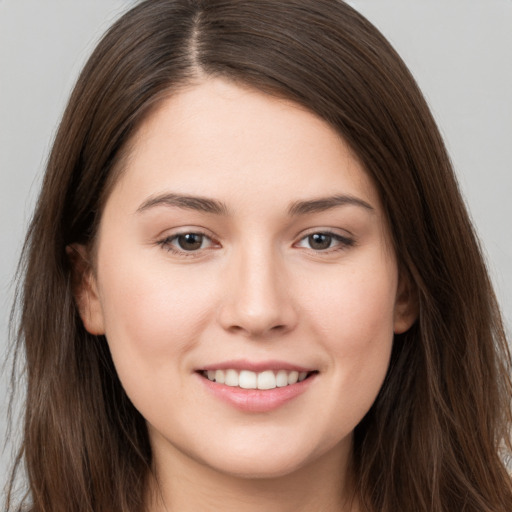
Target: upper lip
(255, 366)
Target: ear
(85, 289)
(406, 304)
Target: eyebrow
(213, 206)
(326, 203)
(186, 202)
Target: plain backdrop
(460, 52)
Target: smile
(246, 379)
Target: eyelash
(166, 243)
(343, 242)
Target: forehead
(220, 139)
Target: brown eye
(320, 241)
(188, 244)
(190, 241)
(325, 241)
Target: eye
(190, 241)
(323, 241)
(187, 242)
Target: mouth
(256, 386)
(263, 380)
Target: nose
(258, 302)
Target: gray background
(459, 50)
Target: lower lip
(257, 400)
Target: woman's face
(244, 243)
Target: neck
(182, 484)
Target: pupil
(320, 241)
(190, 241)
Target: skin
(256, 289)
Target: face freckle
(244, 237)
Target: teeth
(231, 378)
(282, 378)
(293, 377)
(266, 380)
(246, 379)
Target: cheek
(354, 320)
(357, 306)
(153, 315)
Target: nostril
(256, 318)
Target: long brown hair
(435, 437)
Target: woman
(251, 282)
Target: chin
(268, 461)
(258, 469)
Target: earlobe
(406, 305)
(85, 289)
